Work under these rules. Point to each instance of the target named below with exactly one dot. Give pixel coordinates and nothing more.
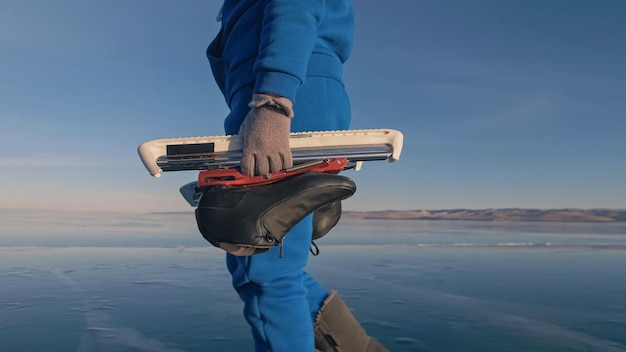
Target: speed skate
(247, 215)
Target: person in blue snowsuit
(279, 66)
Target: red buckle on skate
(233, 178)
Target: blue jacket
(273, 45)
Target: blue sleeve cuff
(279, 83)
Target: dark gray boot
(336, 329)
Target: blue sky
(517, 103)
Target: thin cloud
(47, 161)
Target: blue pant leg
(316, 295)
(281, 300)
(275, 295)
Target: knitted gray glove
(265, 133)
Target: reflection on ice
(417, 286)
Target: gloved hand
(265, 133)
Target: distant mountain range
(506, 214)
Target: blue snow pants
(281, 300)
